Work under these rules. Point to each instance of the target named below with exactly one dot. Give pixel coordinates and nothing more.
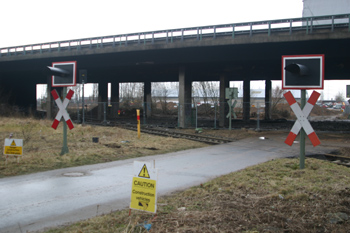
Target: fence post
(78, 112)
(215, 104)
(196, 116)
(144, 112)
(178, 115)
(258, 119)
(138, 123)
(104, 113)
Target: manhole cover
(74, 174)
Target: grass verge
(275, 196)
(42, 145)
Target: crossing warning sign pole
(63, 75)
(63, 113)
(303, 72)
(302, 124)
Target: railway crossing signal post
(302, 72)
(63, 75)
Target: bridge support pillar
(102, 100)
(224, 83)
(246, 100)
(49, 100)
(185, 90)
(268, 87)
(114, 99)
(148, 99)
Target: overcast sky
(38, 21)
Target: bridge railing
(307, 24)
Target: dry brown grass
(42, 145)
(272, 197)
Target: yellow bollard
(138, 123)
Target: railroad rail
(174, 134)
(337, 159)
(170, 133)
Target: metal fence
(199, 115)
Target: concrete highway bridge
(229, 52)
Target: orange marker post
(138, 123)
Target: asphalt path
(48, 199)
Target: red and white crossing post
(302, 72)
(302, 121)
(63, 75)
(62, 109)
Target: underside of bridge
(184, 64)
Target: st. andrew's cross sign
(303, 72)
(62, 109)
(63, 75)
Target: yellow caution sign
(144, 195)
(144, 172)
(13, 146)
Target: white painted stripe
(307, 109)
(296, 127)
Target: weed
(42, 145)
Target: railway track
(171, 133)
(165, 132)
(174, 134)
(337, 159)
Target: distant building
(326, 7)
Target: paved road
(47, 199)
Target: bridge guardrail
(308, 24)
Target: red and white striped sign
(302, 121)
(62, 109)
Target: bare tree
(77, 91)
(207, 91)
(161, 92)
(94, 91)
(276, 98)
(131, 94)
(339, 97)
(160, 95)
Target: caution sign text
(143, 194)
(13, 146)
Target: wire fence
(168, 114)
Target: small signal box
(303, 72)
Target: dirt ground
(272, 197)
(338, 139)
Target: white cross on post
(302, 121)
(62, 109)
